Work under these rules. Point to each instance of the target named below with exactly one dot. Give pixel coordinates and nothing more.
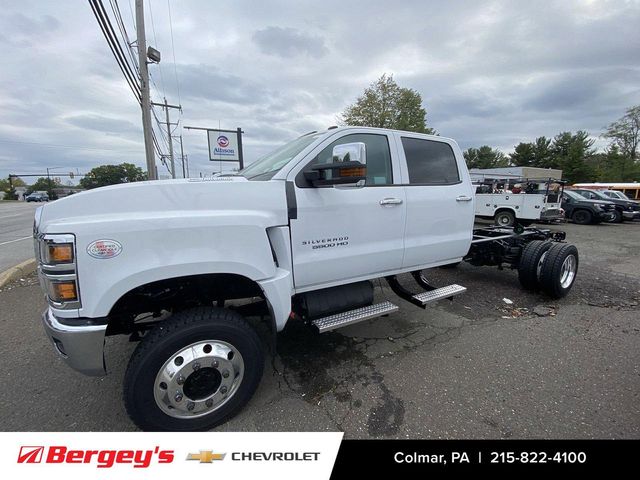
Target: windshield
(620, 195)
(600, 195)
(266, 167)
(573, 195)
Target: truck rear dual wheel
(193, 371)
(548, 266)
(531, 262)
(559, 270)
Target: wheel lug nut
(191, 406)
(214, 364)
(180, 380)
(223, 390)
(196, 366)
(209, 403)
(225, 374)
(178, 397)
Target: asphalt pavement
(16, 232)
(478, 367)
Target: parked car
(584, 211)
(624, 209)
(37, 197)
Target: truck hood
(170, 198)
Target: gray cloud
(289, 42)
(496, 72)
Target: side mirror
(348, 168)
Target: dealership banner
(134, 455)
(295, 455)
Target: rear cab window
(430, 162)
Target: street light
(49, 177)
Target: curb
(20, 270)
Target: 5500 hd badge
(326, 242)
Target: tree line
(385, 104)
(97, 177)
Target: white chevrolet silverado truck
(297, 236)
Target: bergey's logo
(30, 454)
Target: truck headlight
(57, 253)
(57, 269)
(62, 291)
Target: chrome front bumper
(81, 344)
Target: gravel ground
(478, 367)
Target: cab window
(379, 170)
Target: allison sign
(225, 145)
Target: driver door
(349, 233)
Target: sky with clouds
(489, 72)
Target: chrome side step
(439, 293)
(353, 316)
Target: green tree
(523, 155)
(543, 155)
(387, 105)
(44, 184)
(572, 153)
(485, 157)
(624, 133)
(614, 166)
(8, 188)
(112, 174)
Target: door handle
(463, 198)
(390, 201)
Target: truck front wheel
(559, 270)
(582, 217)
(504, 218)
(193, 371)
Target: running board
(431, 294)
(449, 291)
(353, 316)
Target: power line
(173, 50)
(123, 31)
(153, 28)
(114, 45)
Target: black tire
(181, 330)
(552, 277)
(529, 266)
(504, 218)
(582, 217)
(617, 217)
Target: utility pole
(166, 107)
(182, 158)
(144, 88)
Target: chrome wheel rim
(504, 220)
(568, 271)
(198, 379)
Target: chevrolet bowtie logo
(206, 456)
